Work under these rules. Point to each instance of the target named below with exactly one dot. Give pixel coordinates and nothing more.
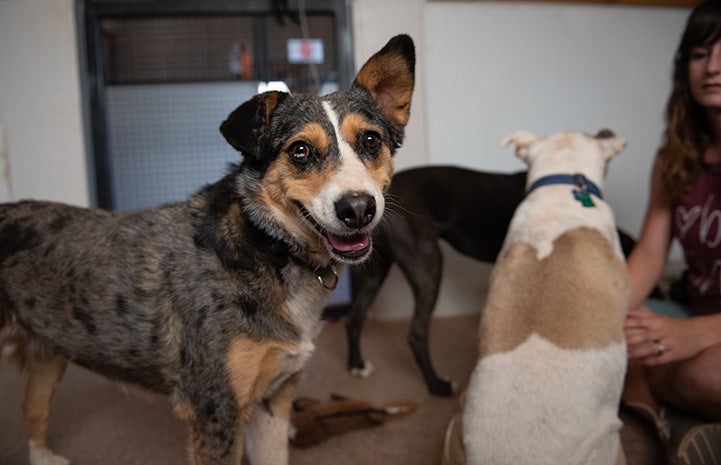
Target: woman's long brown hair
(687, 132)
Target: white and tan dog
(552, 356)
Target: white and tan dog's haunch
(552, 356)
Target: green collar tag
(584, 197)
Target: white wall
(40, 106)
(5, 184)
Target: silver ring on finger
(661, 348)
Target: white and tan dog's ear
(523, 141)
(610, 144)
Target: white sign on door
(305, 51)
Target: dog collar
(327, 276)
(280, 252)
(584, 186)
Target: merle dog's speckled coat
(214, 301)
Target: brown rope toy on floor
(314, 421)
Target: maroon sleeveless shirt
(697, 226)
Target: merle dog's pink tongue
(349, 244)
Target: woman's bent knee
(693, 385)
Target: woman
(675, 352)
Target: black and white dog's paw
(364, 371)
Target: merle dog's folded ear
(389, 76)
(244, 126)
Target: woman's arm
(647, 260)
(682, 338)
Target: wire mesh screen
(195, 49)
(165, 140)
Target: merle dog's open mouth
(350, 247)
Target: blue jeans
(668, 308)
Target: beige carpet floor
(97, 422)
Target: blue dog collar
(584, 186)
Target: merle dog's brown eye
(369, 144)
(299, 151)
(371, 140)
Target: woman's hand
(654, 339)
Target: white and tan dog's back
(552, 356)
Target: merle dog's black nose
(356, 209)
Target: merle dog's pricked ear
(243, 128)
(389, 76)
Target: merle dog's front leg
(266, 437)
(216, 431)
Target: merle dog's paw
(43, 456)
(363, 371)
